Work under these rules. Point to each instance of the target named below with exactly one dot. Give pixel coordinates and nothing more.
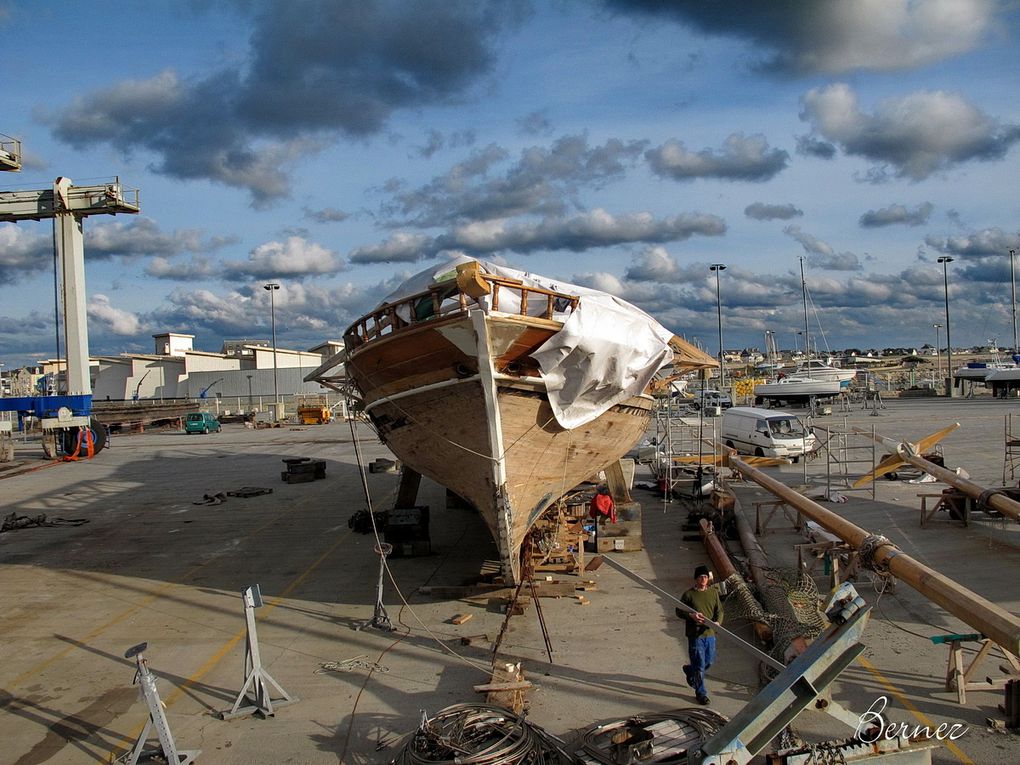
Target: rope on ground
(349, 665)
(14, 521)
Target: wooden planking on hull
(420, 356)
(443, 434)
(544, 460)
(459, 399)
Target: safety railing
(446, 300)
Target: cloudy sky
(336, 147)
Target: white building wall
(173, 343)
(286, 359)
(210, 362)
(150, 377)
(110, 382)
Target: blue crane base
(47, 406)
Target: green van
(201, 422)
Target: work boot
(689, 674)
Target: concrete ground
(151, 565)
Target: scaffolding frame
(1011, 448)
(848, 456)
(678, 433)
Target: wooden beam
(407, 494)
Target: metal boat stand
(157, 718)
(380, 619)
(256, 679)
(527, 578)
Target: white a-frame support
(256, 690)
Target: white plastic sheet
(607, 351)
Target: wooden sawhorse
(761, 524)
(951, 502)
(840, 560)
(958, 677)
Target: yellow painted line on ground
(229, 645)
(162, 590)
(950, 745)
(95, 633)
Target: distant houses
(243, 369)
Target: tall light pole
(1012, 284)
(251, 406)
(273, 287)
(717, 267)
(938, 352)
(945, 260)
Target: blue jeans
(702, 652)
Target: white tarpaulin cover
(607, 351)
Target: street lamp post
(251, 406)
(945, 260)
(717, 267)
(1012, 284)
(273, 287)
(938, 351)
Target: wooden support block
(461, 618)
(407, 493)
(505, 673)
(619, 489)
(523, 685)
(554, 589)
(455, 592)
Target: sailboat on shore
(508, 388)
(813, 378)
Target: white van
(766, 433)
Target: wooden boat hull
(459, 401)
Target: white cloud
(293, 257)
(919, 134)
(116, 320)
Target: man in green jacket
(707, 606)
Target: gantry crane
(10, 153)
(10, 160)
(67, 417)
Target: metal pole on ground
(986, 617)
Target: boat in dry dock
(506, 387)
(797, 388)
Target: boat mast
(807, 339)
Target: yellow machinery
(314, 413)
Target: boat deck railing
(446, 300)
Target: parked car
(766, 433)
(712, 399)
(201, 422)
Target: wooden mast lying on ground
(877, 551)
(901, 452)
